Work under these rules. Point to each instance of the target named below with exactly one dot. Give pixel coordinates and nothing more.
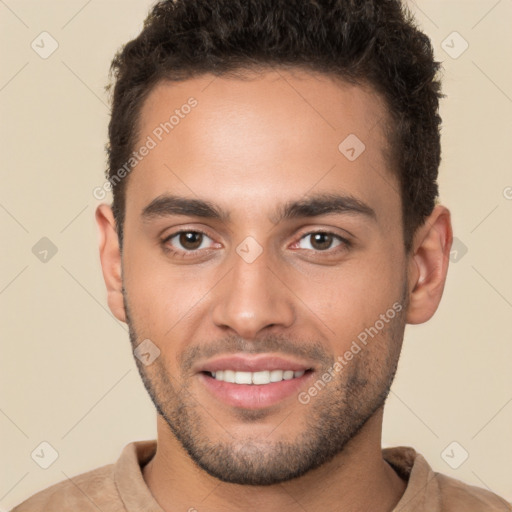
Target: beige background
(66, 372)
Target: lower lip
(254, 396)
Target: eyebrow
(323, 204)
(167, 205)
(309, 206)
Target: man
(274, 228)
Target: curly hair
(368, 42)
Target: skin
(249, 147)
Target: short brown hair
(373, 42)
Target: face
(261, 248)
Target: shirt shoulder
(456, 495)
(430, 491)
(91, 491)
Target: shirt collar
(422, 492)
(130, 483)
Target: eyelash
(182, 253)
(344, 243)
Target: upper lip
(244, 363)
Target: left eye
(320, 241)
(190, 240)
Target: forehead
(270, 134)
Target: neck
(357, 479)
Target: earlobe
(428, 265)
(110, 256)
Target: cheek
(163, 296)
(351, 298)
(157, 302)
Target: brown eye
(190, 240)
(320, 241)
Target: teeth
(260, 377)
(243, 378)
(229, 376)
(263, 377)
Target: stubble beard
(328, 422)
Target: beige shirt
(120, 487)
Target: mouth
(254, 382)
(260, 378)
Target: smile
(257, 378)
(255, 390)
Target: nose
(252, 297)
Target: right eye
(187, 241)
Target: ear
(110, 256)
(428, 265)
